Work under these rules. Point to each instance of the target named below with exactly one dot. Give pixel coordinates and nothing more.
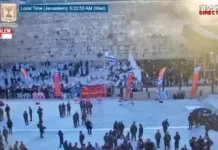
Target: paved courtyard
(149, 113)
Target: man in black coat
(209, 143)
(65, 145)
(76, 119)
(68, 108)
(7, 110)
(157, 138)
(31, 113)
(89, 126)
(63, 107)
(77, 116)
(81, 104)
(75, 147)
(149, 145)
(115, 126)
(1, 114)
(133, 131)
(165, 125)
(200, 142)
(60, 110)
(40, 113)
(90, 106)
(167, 139)
(81, 138)
(191, 121)
(177, 138)
(10, 125)
(84, 117)
(192, 142)
(87, 107)
(122, 127)
(41, 129)
(25, 116)
(207, 128)
(61, 137)
(5, 134)
(140, 131)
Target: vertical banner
(25, 73)
(195, 78)
(128, 85)
(57, 85)
(136, 70)
(160, 82)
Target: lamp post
(213, 58)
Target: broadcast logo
(8, 13)
(208, 10)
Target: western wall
(150, 29)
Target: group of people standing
(205, 117)
(9, 122)
(115, 138)
(200, 143)
(64, 110)
(86, 109)
(25, 116)
(6, 131)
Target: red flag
(195, 78)
(57, 85)
(161, 76)
(128, 85)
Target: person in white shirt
(120, 141)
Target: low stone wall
(203, 91)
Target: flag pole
(105, 80)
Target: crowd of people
(118, 72)
(15, 83)
(203, 117)
(39, 77)
(116, 138)
(178, 72)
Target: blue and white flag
(136, 70)
(108, 56)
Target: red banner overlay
(57, 85)
(6, 33)
(93, 91)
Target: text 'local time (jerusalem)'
(63, 8)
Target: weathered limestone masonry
(150, 29)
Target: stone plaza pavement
(149, 113)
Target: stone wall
(150, 29)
